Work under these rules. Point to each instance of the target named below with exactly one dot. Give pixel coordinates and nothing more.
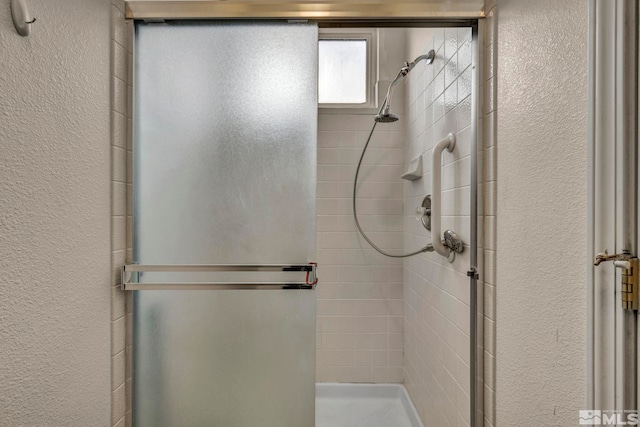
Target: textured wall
(542, 198)
(436, 293)
(54, 216)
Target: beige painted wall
(542, 199)
(54, 216)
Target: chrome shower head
(386, 118)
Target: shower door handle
(436, 194)
(131, 273)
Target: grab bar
(436, 194)
(127, 283)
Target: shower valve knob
(423, 212)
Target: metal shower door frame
(476, 287)
(405, 13)
(318, 10)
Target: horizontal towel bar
(128, 285)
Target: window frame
(370, 35)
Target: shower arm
(408, 66)
(386, 104)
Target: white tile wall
(119, 112)
(489, 171)
(121, 210)
(436, 293)
(360, 327)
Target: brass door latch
(630, 266)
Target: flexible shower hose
(355, 213)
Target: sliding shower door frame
(476, 287)
(405, 13)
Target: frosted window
(342, 74)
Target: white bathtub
(364, 405)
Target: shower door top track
(437, 11)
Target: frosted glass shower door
(224, 173)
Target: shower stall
(282, 248)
